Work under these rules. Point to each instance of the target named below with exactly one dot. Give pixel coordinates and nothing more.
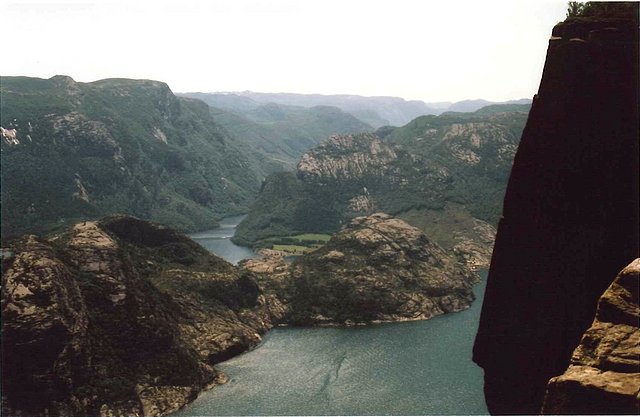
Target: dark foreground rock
(570, 217)
(604, 375)
(378, 268)
(120, 317)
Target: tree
(576, 8)
(614, 9)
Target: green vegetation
(85, 150)
(115, 146)
(298, 244)
(476, 149)
(575, 8)
(313, 237)
(275, 136)
(454, 163)
(293, 249)
(440, 223)
(601, 9)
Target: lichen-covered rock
(272, 274)
(346, 157)
(604, 374)
(474, 247)
(378, 268)
(120, 317)
(270, 262)
(44, 326)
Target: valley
(133, 147)
(444, 174)
(318, 181)
(253, 253)
(73, 151)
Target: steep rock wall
(570, 216)
(604, 374)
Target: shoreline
(333, 325)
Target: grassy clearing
(311, 236)
(298, 244)
(293, 249)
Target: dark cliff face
(120, 317)
(604, 374)
(570, 217)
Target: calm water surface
(411, 368)
(219, 241)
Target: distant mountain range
(375, 111)
(276, 135)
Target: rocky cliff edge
(120, 317)
(604, 374)
(570, 216)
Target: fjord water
(410, 368)
(218, 241)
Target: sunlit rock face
(445, 175)
(570, 218)
(604, 374)
(378, 268)
(346, 157)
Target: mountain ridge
(82, 150)
(376, 111)
(73, 151)
(444, 174)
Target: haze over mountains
(111, 315)
(376, 111)
(73, 151)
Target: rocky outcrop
(474, 246)
(376, 269)
(604, 374)
(445, 175)
(10, 136)
(570, 218)
(120, 317)
(125, 317)
(346, 157)
(270, 262)
(44, 324)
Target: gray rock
(378, 269)
(604, 374)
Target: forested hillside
(444, 174)
(72, 151)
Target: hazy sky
(416, 49)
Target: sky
(416, 49)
